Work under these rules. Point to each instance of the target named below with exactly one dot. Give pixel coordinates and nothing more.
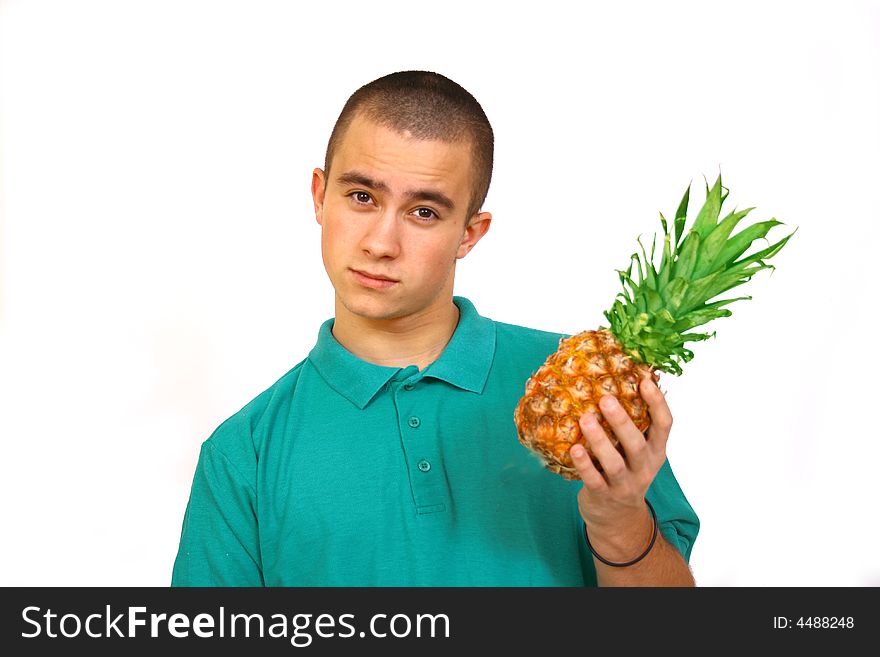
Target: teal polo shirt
(345, 473)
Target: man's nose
(382, 238)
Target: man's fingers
(661, 416)
(592, 478)
(609, 458)
(625, 431)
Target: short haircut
(429, 106)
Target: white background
(160, 265)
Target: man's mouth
(373, 280)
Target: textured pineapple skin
(571, 382)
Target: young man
(389, 456)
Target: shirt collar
(464, 363)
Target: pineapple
(649, 324)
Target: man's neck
(413, 340)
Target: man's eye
(361, 197)
(425, 213)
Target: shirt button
(408, 386)
(414, 422)
(424, 466)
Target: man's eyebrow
(432, 195)
(355, 178)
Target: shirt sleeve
(678, 522)
(219, 542)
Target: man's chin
(371, 309)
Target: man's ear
(476, 228)
(318, 189)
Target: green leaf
(699, 291)
(653, 246)
(665, 263)
(769, 252)
(666, 316)
(739, 243)
(634, 261)
(711, 286)
(698, 317)
(707, 219)
(724, 302)
(625, 295)
(723, 281)
(696, 337)
(674, 293)
(716, 240)
(680, 218)
(653, 300)
(650, 274)
(619, 311)
(684, 264)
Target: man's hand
(612, 502)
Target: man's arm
(662, 566)
(612, 502)
(219, 542)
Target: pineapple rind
(571, 382)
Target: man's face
(393, 224)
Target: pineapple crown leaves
(651, 317)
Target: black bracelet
(638, 558)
